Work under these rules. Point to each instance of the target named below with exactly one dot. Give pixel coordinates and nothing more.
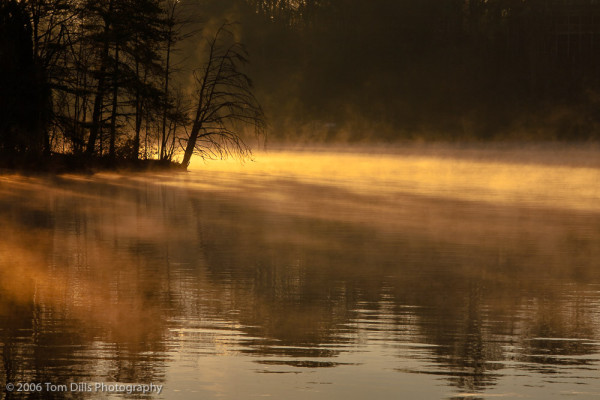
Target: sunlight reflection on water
(302, 275)
(500, 180)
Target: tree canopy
(95, 80)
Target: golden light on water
(461, 178)
(303, 266)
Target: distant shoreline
(67, 163)
(573, 154)
(567, 153)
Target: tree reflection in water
(117, 278)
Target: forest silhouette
(88, 83)
(432, 70)
(102, 82)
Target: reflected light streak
(496, 181)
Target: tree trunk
(163, 142)
(113, 119)
(138, 110)
(172, 148)
(191, 144)
(138, 117)
(101, 86)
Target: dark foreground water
(250, 283)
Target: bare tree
(225, 102)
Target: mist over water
(415, 273)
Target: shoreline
(66, 163)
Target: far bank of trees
(95, 79)
(439, 69)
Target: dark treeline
(449, 69)
(95, 80)
(163, 79)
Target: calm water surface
(307, 275)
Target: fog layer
(387, 70)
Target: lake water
(463, 274)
